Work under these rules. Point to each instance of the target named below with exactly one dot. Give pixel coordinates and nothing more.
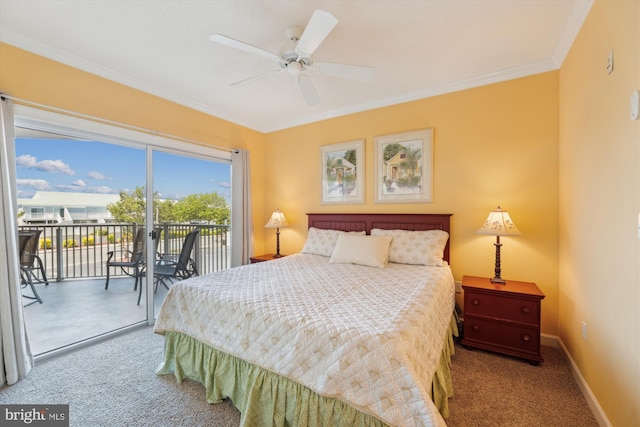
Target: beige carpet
(113, 384)
(495, 390)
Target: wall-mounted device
(635, 104)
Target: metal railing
(81, 250)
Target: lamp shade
(498, 223)
(277, 220)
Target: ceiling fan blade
(307, 90)
(256, 77)
(353, 72)
(228, 41)
(318, 28)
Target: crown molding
(576, 19)
(66, 58)
(578, 15)
(449, 87)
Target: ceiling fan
(296, 56)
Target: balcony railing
(79, 251)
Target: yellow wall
(493, 145)
(599, 206)
(34, 78)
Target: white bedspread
(369, 337)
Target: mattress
(369, 337)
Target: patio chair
(167, 271)
(157, 255)
(31, 267)
(130, 262)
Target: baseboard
(554, 341)
(549, 340)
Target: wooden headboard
(365, 222)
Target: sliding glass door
(111, 209)
(191, 211)
(81, 201)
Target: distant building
(55, 207)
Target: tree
(350, 156)
(331, 163)
(391, 150)
(164, 211)
(130, 208)
(195, 207)
(202, 207)
(410, 162)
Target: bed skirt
(267, 399)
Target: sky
(96, 167)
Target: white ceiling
(418, 48)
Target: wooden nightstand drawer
(510, 338)
(502, 307)
(504, 318)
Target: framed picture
(404, 167)
(343, 172)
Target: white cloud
(51, 166)
(69, 187)
(105, 190)
(98, 176)
(26, 161)
(37, 184)
(79, 186)
(225, 184)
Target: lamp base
(277, 255)
(496, 278)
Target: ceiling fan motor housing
(294, 63)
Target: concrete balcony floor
(74, 310)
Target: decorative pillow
(372, 251)
(322, 242)
(415, 247)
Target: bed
(336, 335)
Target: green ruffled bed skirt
(266, 399)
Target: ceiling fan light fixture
(294, 68)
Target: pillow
(415, 247)
(322, 242)
(372, 251)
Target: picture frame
(342, 168)
(404, 167)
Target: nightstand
(262, 258)
(502, 318)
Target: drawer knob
(526, 338)
(526, 309)
(475, 327)
(475, 301)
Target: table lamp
(277, 221)
(498, 223)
